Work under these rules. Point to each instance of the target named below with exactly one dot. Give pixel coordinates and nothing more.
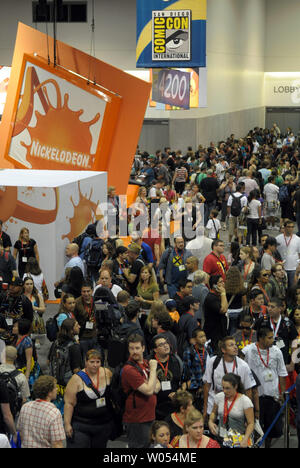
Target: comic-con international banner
(171, 33)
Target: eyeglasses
(265, 274)
(165, 343)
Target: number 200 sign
(171, 87)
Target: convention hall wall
(235, 58)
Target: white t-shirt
(268, 377)
(236, 418)
(37, 280)
(289, 249)
(213, 227)
(242, 369)
(4, 442)
(244, 200)
(115, 289)
(271, 192)
(253, 207)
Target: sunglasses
(266, 274)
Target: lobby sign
(171, 33)
(282, 90)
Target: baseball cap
(186, 303)
(16, 281)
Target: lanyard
(201, 359)
(227, 410)
(165, 369)
(268, 357)
(89, 309)
(275, 330)
(98, 379)
(221, 262)
(233, 368)
(24, 248)
(20, 341)
(179, 420)
(250, 339)
(287, 243)
(264, 292)
(246, 272)
(188, 442)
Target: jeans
(89, 435)
(172, 290)
(208, 206)
(252, 228)
(234, 319)
(290, 277)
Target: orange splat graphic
(85, 212)
(69, 148)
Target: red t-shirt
(132, 379)
(152, 238)
(214, 265)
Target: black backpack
(59, 362)
(118, 396)
(79, 239)
(117, 347)
(93, 253)
(52, 328)
(236, 206)
(14, 393)
(107, 314)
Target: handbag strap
(231, 300)
(88, 382)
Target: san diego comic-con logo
(171, 35)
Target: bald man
(72, 251)
(9, 366)
(192, 265)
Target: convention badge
(166, 385)
(100, 403)
(268, 376)
(24, 259)
(89, 325)
(181, 267)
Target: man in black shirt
(215, 307)
(13, 306)
(8, 267)
(132, 273)
(284, 330)
(168, 373)
(209, 188)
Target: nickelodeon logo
(59, 156)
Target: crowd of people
(184, 338)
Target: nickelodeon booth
(63, 140)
